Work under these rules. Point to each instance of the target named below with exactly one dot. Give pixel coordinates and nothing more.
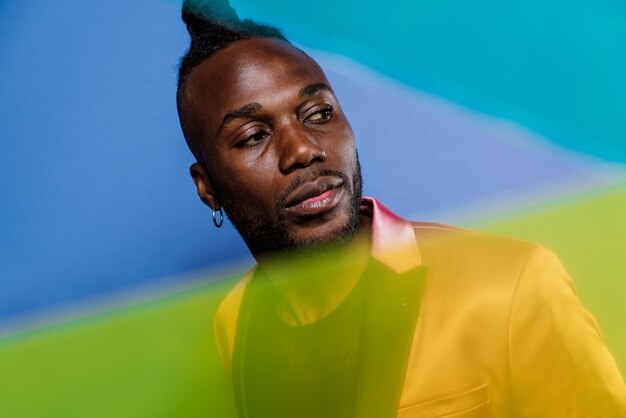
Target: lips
(315, 198)
(313, 189)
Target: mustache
(306, 177)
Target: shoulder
(507, 278)
(226, 316)
(469, 253)
(519, 268)
(480, 276)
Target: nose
(298, 150)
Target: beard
(266, 236)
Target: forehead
(248, 71)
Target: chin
(340, 230)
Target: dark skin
(277, 152)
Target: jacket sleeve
(559, 364)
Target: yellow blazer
(499, 332)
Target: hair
(212, 25)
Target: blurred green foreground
(158, 359)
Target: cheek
(250, 186)
(342, 145)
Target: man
(352, 310)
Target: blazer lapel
(392, 306)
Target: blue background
(95, 194)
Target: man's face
(279, 152)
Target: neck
(313, 285)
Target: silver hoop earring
(218, 223)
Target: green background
(158, 359)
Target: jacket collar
(393, 238)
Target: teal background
(557, 67)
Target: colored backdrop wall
(508, 117)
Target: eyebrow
(311, 89)
(251, 108)
(242, 112)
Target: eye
(321, 115)
(253, 139)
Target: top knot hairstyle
(213, 25)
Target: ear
(204, 186)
